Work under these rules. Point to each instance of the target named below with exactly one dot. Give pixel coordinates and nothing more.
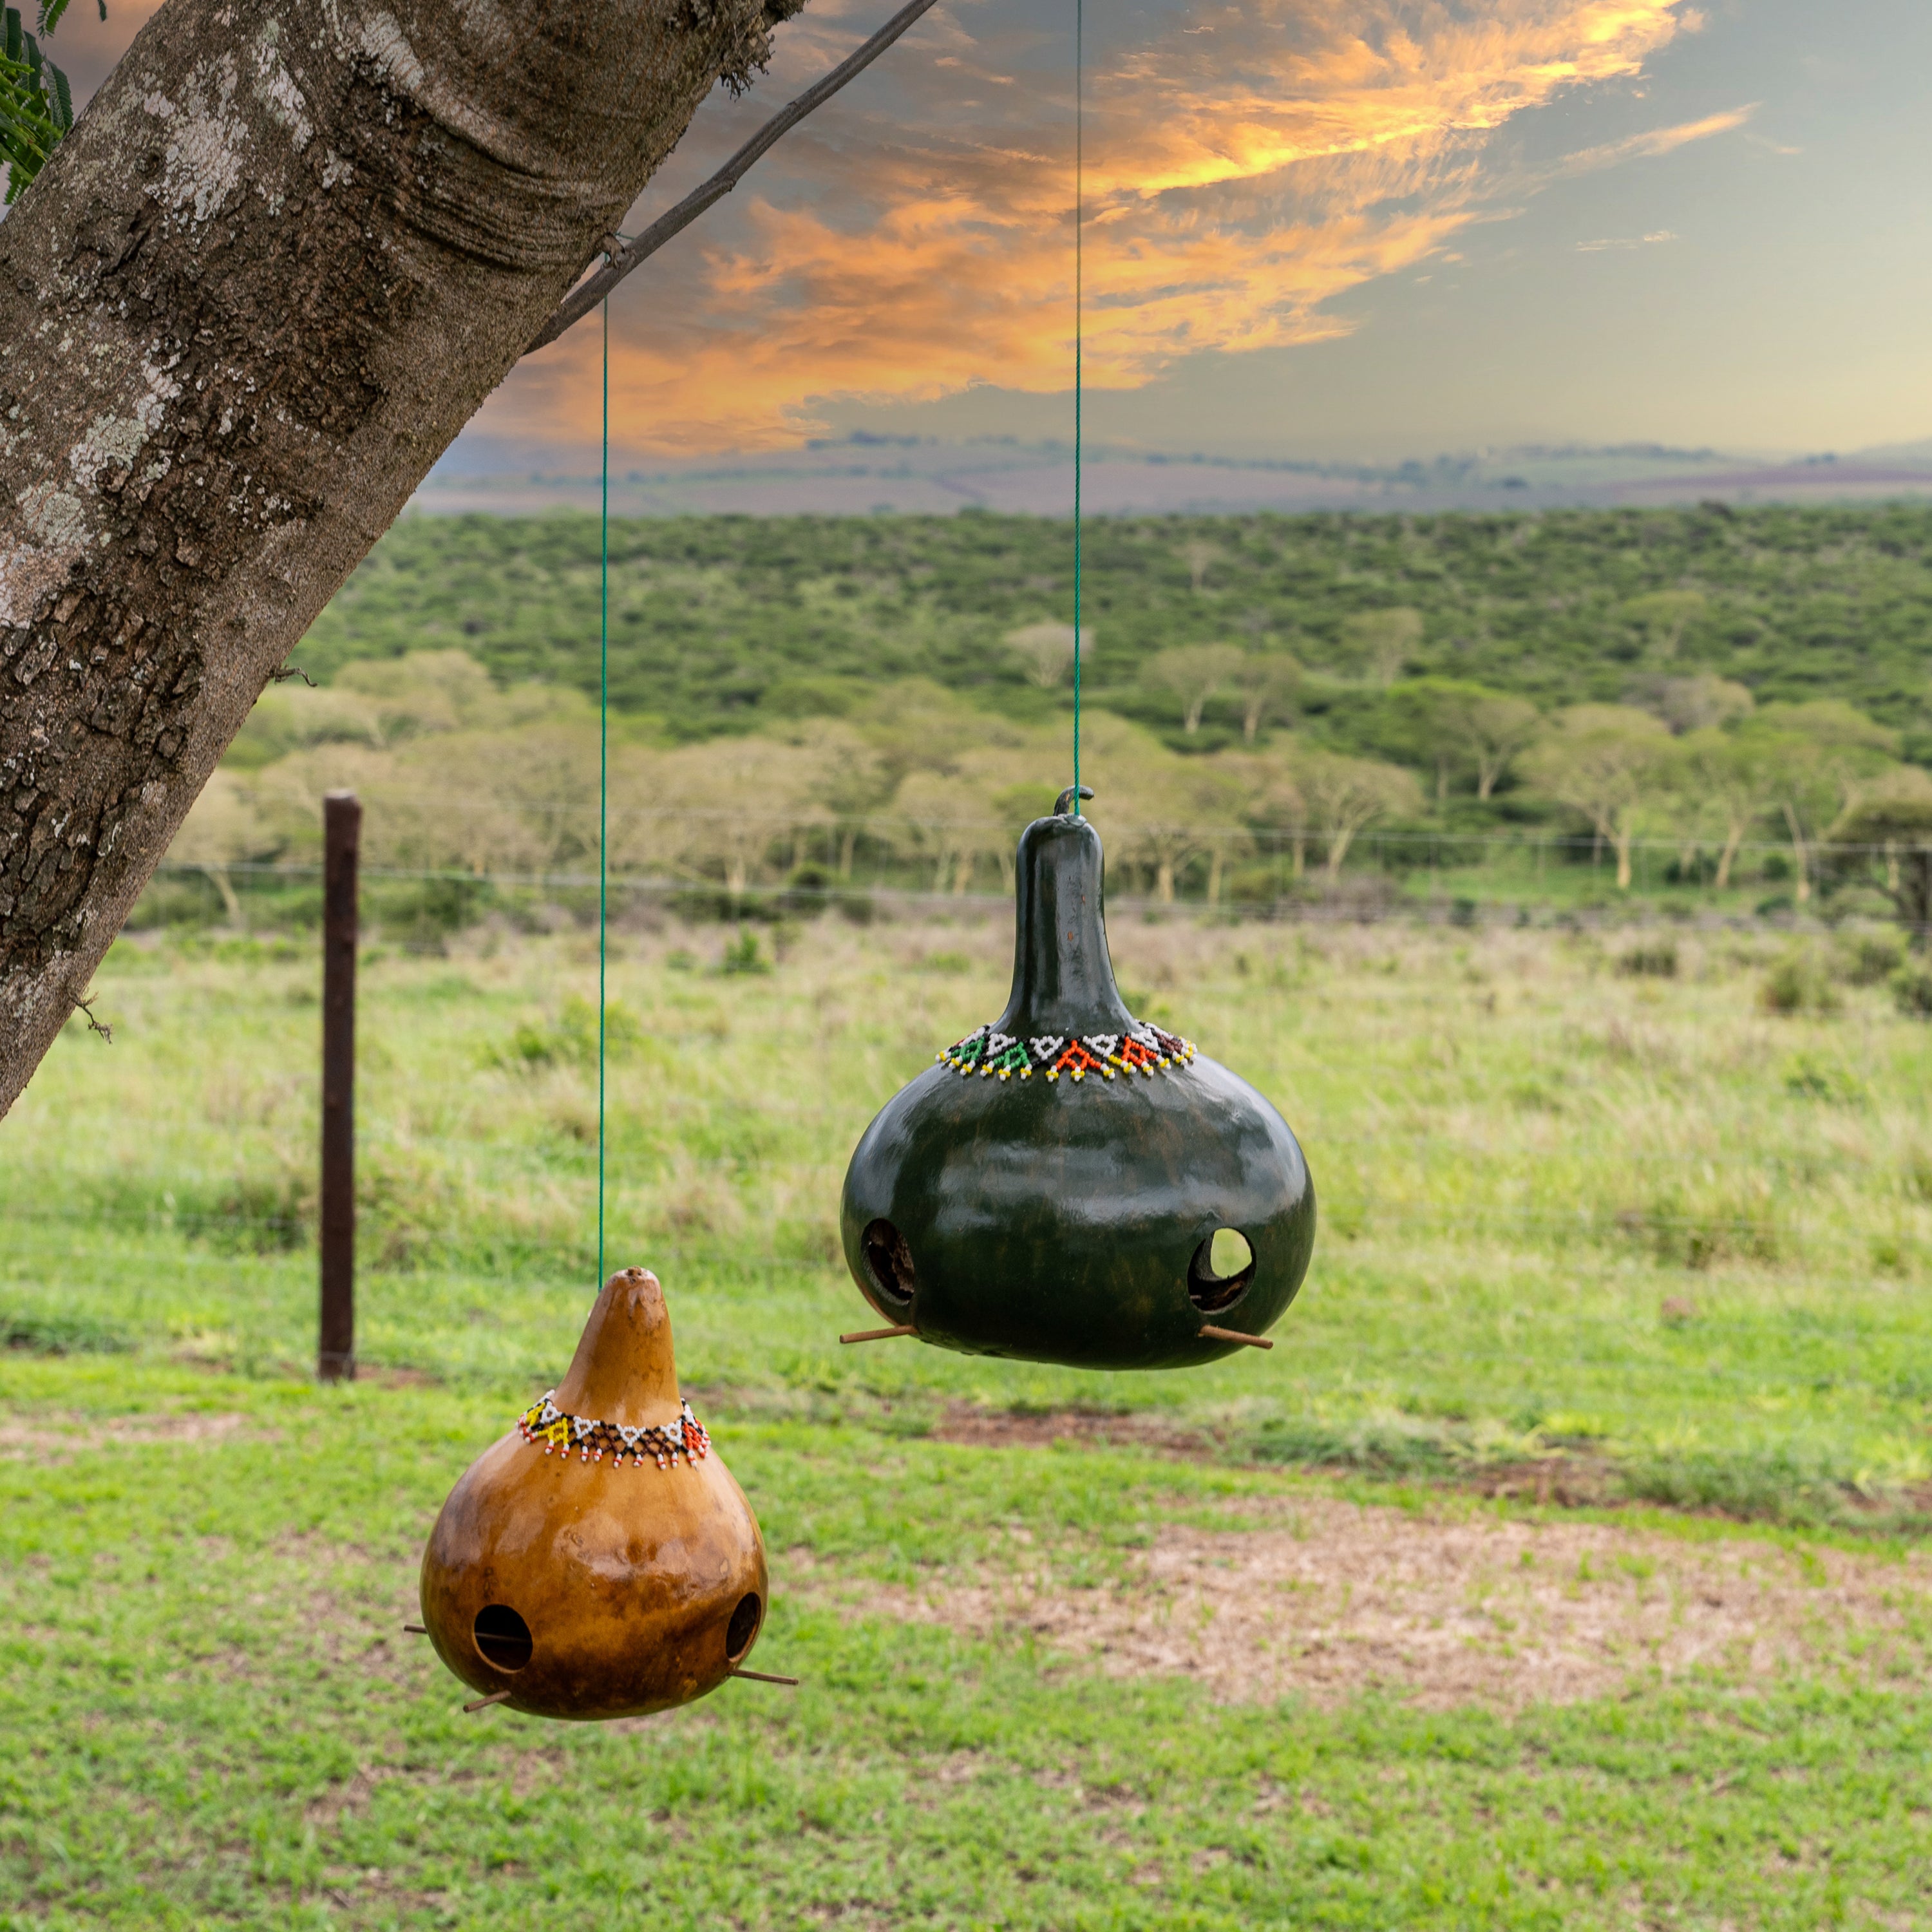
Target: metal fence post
(342, 826)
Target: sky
(1363, 229)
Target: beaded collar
(1142, 1049)
(544, 1422)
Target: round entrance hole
(889, 1261)
(503, 1638)
(743, 1627)
(1221, 1272)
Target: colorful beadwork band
(1143, 1049)
(544, 1422)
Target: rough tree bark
(288, 250)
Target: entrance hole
(743, 1627)
(889, 1261)
(503, 1637)
(1221, 1271)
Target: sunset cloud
(1246, 166)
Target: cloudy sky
(1374, 228)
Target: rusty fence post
(342, 826)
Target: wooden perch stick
(494, 1697)
(887, 1334)
(415, 1630)
(1229, 1335)
(765, 1677)
(627, 255)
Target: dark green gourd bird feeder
(1051, 1190)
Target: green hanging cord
(603, 779)
(1079, 159)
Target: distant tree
(1605, 761)
(1383, 641)
(1266, 682)
(723, 807)
(223, 830)
(427, 692)
(1817, 755)
(1201, 555)
(1192, 674)
(1664, 616)
(1884, 839)
(916, 724)
(845, 781)
(1726, 781)
(1693, 703)
(1274, 802)
(1500, 727)
(1157, 819)
(1047, 650)
(1343, 797)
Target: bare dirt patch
(1329, 1598)
(59, 1437)
(978, 1428)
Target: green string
(1079, 161)
(603, 779)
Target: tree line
(459, 774)
(723, 625)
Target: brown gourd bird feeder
(1064, 1184)
(598, 1560)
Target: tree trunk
(1800, 855)
(1734, 837)
(1339, 842)
(230, 904)
(1620, 841)
(1487, 774)
(287, 251)
(1163, 879)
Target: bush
(1650, 959)
(571, 1039)
(1797, 983)
(33, 1331)
(742, 955)
(1872, 957)
(1912, 988)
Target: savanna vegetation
(1561, 1568)
(720, 624)
(1568, 707)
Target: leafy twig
(627, 254)
(36, 103)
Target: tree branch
(629, 254)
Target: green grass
(1638, 1224)
(213, 1719)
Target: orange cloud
(1244, 167)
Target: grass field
(1563, 1566)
